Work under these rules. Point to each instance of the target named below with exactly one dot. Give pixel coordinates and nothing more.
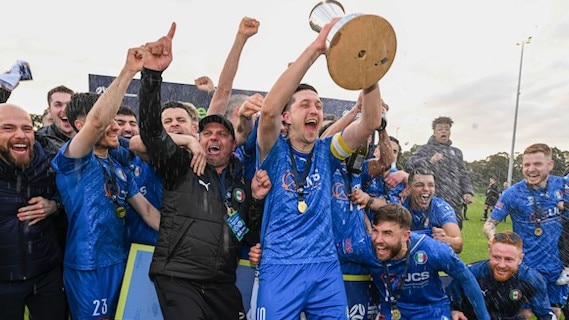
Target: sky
(454, 58)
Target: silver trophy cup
(360, 47)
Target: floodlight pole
(511, 163)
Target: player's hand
(158, 54)
(255, 254)
(457, 315)
(38, 208)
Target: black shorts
(180, 298)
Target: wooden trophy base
(361, 50)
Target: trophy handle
(360, 47)
(324, 12)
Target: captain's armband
(339, 147)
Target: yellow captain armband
(339, 147)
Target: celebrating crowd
(260, 177)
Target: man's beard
(394, 251)
(502, 278)
(20, 162)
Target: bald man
(30, 277)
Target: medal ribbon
(347, 177)
(299, 181)
(537, 210)
(111, 187)
(394, 296)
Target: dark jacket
(451, 177)
(492, 194)
(194, 240)
(26, 251)
(51, 139)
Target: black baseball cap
(218, 119)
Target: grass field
(475, 244)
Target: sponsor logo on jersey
(205, 185)
(339, 191)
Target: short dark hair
(127, 111)
(422, 171)
(302, 86)
(171, 104)
(442, 120)
(392, 138)
(325, 127)
(79, 106)
(60, 88)
(393, 212)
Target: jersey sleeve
(450, 263)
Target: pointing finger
(172, 30)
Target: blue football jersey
(530, 208)
(95, 236)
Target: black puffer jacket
(26, 251)
(194, 240)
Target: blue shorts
(93, 294)
(315, 289)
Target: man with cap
(204, 217)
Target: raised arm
(105, 108)
(344, 120)
(283, 89)
(157, 58)
(357, 132)
(246, 122)
(247, 28)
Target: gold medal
(120, 212)
(302, 206)
(538, 231)
(395, 314)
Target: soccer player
(408, 276)
(94, 190)
(533, 206)
(300, 269)
(506, 282)
(432, 215)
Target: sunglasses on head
(511, 238)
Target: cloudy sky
(454, 58)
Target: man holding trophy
(299, 271)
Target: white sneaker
(563, 278)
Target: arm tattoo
(490, 227)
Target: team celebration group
(308, 198)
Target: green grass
(475, 244)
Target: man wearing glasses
(533, 205)
(506, 282)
